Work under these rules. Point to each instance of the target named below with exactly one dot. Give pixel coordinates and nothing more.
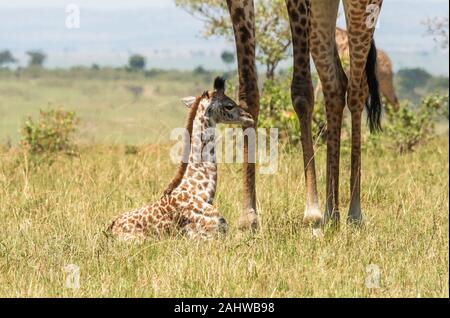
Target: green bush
(276, 110)
(404, 127)
(407, 126)
(131, 150)
(52, 132)
(136, 62)
(414, 84)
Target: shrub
(276, 110)
(406, 126)
(52, 132)
(131, 150)
(136, 62)
(37, 58)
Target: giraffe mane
(187, 144)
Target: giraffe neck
(201, 173)
(202, 140)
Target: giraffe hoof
(249, 221)
(313, 218)
(357, 220)
(332, 219)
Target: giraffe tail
(374, 105)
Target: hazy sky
(135, 3)
(111, 30)
(94, 4)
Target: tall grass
(53, 213)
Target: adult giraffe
(313, 28)
(385, 72)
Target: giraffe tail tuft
(374, 104)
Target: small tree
(407, 126)
(6, 58)
(410, 79)
(272, 27)
(200, 70)
(51, 132)
(228, 58)
(438, 29)
(137, 62)
(36, 58)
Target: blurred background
(171, 38)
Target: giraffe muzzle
(246, 119)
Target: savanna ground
(54, 208)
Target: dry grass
(53, 213)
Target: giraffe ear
(188, 101)
(219, 84)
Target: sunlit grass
(54, 211)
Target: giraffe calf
(186, 206)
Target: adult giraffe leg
(303, 101)
(334, 83)
(363, 83)
(243, 18)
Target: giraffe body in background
(313, 28)
(186, 206)
(385, 71)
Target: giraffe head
(218, 108)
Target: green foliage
(200, 70)
(227, 57)
(101, 98)
(412, 78)
(136, 62)
(52, 132)
(319, 123)
(272, 27)
(274, 34)
(36, 58)
(415, 84)
(277, 111)
(6, 58)
(406, 126)
(131, 150)
(214, 13)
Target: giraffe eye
(229, 107)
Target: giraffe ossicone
(187, 204)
